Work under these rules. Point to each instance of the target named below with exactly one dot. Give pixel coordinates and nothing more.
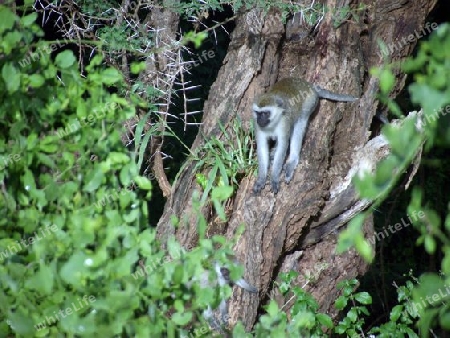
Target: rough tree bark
(297, 229)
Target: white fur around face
(276, 114)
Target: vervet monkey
(223, 278)
(282, 115)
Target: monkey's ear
(279, 102)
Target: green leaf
(118, 158)
(65, 59)
(447, 222)
(36, 80)
(11, 77)
(7, 19)
(387, 80)
(93, 179)
(182, 319)
(428, 287)
(73, 270)
(353, 315)
(348, 236)
(201, 179)
(125, 174)
(444, 319)
(28, 20)
(340, 303)
(10, 41)
(46, 277)
(131, 216)
(325, 320)
(364, 298)
(174, 248)
(396, 312)
(272, 309)
(143, 182)
(28, 180)
(364, 248)
(20, 323)
(137, 67)
(239, 331)
(222, 193)
(42, 281)
(426, 319)
(49, 148)
(430, 244)
(178, 275)
(429, 98)
(111, 76)
(445, 264)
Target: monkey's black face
(263, 118)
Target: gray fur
(290, 102)
(326, 94)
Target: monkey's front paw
(275, 186)
(290, 168)
(258, 186)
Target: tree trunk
(297, 229)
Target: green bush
(70, 231)
(427, 130)
(77, 255)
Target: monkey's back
(290, 87)
(288, 93)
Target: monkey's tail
(326, 94)
(246, 286)
(381, 117)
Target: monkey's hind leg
(263, 161)
(295, 147)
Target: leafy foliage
(228, 162)
(426, 128)
(77, 255)
(305, 320)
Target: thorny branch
(126, 36)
